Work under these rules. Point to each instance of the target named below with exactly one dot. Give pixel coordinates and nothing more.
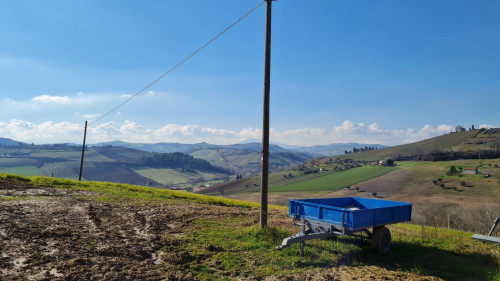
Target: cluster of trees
(182, 161)
(360, 149)
(454, 171)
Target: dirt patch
(57, 236)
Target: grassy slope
(336, 181)
(166, 176)
(171, 176)
(22, 170)
(211, 155)
(446, 142)
(227, 248)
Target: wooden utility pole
(265, 121)
(83, 151)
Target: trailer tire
(381, 239)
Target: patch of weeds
(439, 252)
(17, 178)
(228, 247)
(417, 269)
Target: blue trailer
(329, 217)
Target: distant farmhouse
(470, 171)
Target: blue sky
(386, 72)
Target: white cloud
(374, 128)
(52, 99)
(129, 131)
(88, 116)
(445, 128)
(486, 126)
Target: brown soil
(57, 234)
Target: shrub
(452, 171)
(441, 185)
(434, 181)
(462, 183)
(440, 180)
(374, 194)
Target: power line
(178, 64)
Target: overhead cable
(178, 64)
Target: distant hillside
(468, 144)
(335, 148)
(165, 147)
(153, 147)
(242, 158)
(9, 142)
(110, 163)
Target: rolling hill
(242, 158)
(109, 163)
(468, 144)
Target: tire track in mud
(60, 237)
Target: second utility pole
(265, 121)
(83, 151)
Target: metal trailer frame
(319, 225)
(320, 230)
(488, 238)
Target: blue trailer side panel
(358, 213)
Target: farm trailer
(353, 216)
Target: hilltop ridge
(456, 145)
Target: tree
(390, 162)
(459, 128)
(452, 171)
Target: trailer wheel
(381, 239)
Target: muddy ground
(57, 234)
(64, 235)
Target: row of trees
(360, 149)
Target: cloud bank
(129, 131)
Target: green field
(336, 181)
(22, 170)
(16, 161)
(174, 177)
